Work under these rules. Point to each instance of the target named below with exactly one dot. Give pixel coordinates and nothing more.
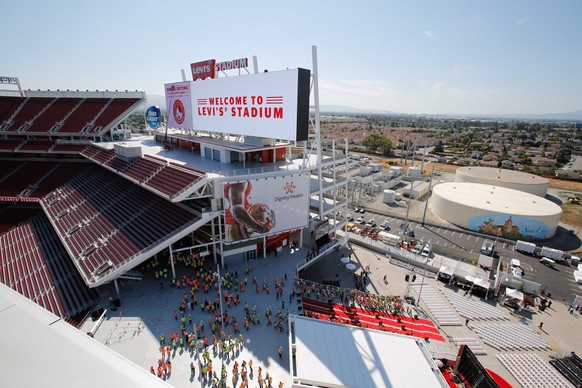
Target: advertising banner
(179, 105)
(258, 207)
(274, 104)
(153, 117)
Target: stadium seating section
(106, 221)
(168, 179)
(65, 222)
(570, 367)
(27, 179)
(336, 312)
(34, 263)
(61, 116)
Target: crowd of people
(350, 297)
(205, 330)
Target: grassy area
(572, 214)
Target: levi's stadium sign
(209, 68)
(273, 104)
(203, 69)
(234, 64)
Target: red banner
(202, 70)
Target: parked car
(417, 249)
(350, 217)
(372, 222)
(361, 220)
(384, 225)
(427, 250)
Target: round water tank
(389, 196)
(398, 196)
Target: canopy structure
(345, 260)
(351, 266)
(481, 283)
(328, 354)
(446, 270)
(513, 293)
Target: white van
(515, 263)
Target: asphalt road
(560, 280)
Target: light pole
(422, 282)
(428, 195)
(219, 280)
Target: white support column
(264, 246)
(116, 287)
(214, 240)
(220, 224)
(172, 261)
(317, 127)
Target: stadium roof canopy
(334, 355)
(40, 349)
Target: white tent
(481, 283)
(513, 293)
(446, 270)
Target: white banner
(274, 104)
(258, 207)
(179, 105)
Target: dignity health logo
(289, 188)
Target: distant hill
(158, 100)
(569, 116)
(154, 99)
(349, 109)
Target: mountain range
(154, 99)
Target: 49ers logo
(179, 111)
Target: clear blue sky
(518, 56)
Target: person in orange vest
(280, 351)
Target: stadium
(86, 209)
(137, 241)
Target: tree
(376, 142)
(438, 148)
